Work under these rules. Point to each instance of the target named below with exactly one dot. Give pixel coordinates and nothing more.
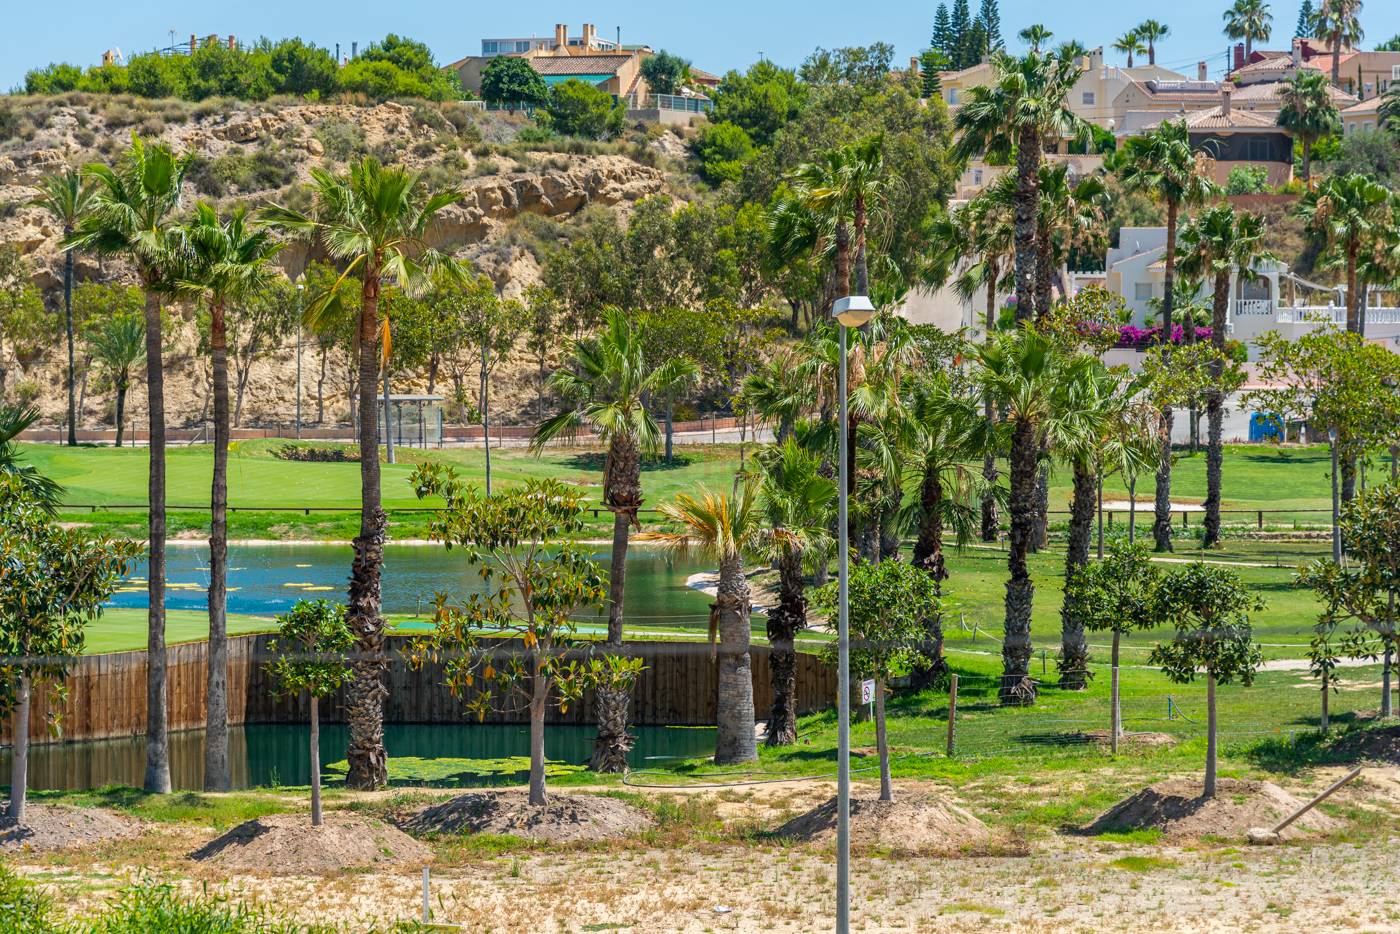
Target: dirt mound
(911, 823)
(47, 827)
(564, 818)
(287, 845)
(1177, 809)
(1374, 745)
(1138, 740)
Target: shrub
(535, 134)
(262, 169)
(577, 108)
(342, 139)
(1246, 180)
(722, 150)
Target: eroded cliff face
(259, 153)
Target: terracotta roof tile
(579, 64)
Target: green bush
(262, 169)
(1247, 180)
(512, 81)
(23, 908)
(577, 108)
(342, 139)
(154, 908)
(723, 149)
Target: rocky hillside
(254, 153)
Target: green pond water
(449, 755)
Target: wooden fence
(106, 694)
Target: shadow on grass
(596, 461)
(1351, 740)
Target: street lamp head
(1332, 435)
(853, 310)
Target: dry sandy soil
(287, 845)
(1063, 883)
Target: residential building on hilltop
(1232, 137)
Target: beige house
(1362, 75)
(604, 63)
(1233, 138)
(1363, 116)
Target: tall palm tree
(1389, 109)
(1217, 245)
(118, 343)
(1339, 22)
(1030, 379)
(1308, 111)
(1248, 20)
(129, 214)
(725, 529)
(796, 505)
(1024, 109)
(13, 420)
(1343, 211)
(1153, 32)
(374, 220)
(1035, 36)
(606, 386)
(778, 392)
(66, 196)
(225, 262)
(1130, 44)
(1162, 164)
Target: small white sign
(867, 692)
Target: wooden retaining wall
(106, 694)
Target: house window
(977, 177)
(1257, 150)
(522, 46)
(1142, 291)
(490, 48)
(1088, 98)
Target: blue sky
(716, 35)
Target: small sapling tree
(1115, 595)
(889, 603)
(53, 582)
(1209, 608)
(514, 641)
(312, 638)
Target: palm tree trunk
(671, 430)
(1044, 270)
(1337, 58)
(19, 754)
(1307, 160)
(734, 736)
(882, 742)
(784, 623)
(364, 695)
(315, 751)
(622, 490)
(1016, 687)
(1042, 503)
(1353, 308)
(157, 778)
(121, 409)
(1026, 204)
(1210, 737)
(68, 326)
(928, 555)
(216, 768)
(388, 421)
(613, 742)
(1215, 412)
(1074, 646)
(1162, 518)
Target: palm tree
(1248, 20)
(606, 386)
(1162, 164)
(1130, 44)
(725, 529)
(374, 220)
(796, 505)
(1308, 111)
(1339, 22)
(1217, 244)
(225, 262)
(13, 420)
(1344, 211)
(1069, 212)
(1389, 109)
(778, 392)
(1072, 50)
(1035, 36)
(1022, 110)
(129, 214)
(118, 343)
(1024, 373)
(1152, 32)
(66, 196)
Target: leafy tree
(857, 65)
(53, 582)
(1116, 594)
(157, 75)
(26, 326)
(665, 73)
(1342, 212)
(724, 529)
(577, 108)
(760, 100)
(723, 150)
(1308, 111)
(414, 66)
(1337, 21)
(54, 78)
(131, 214)
(117, 343)
(65, 197)
(215, 70)
(1248, 20)
(301, 68)
(311, 643)
(536, 579)
(374, 221)
(1209, 608)
(1153, 32)
(889, 602)
(513, 82)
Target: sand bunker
(287, 845)
(911, 823)
(48, 827)
(1177, 809)
(564, 818)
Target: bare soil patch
(48, 827)
(287, 844)
(1177, 809)
(1381, 745)
(1140, 740)
(911, 823)
(565, 818)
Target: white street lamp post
(849, 312)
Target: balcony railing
(1309, 314)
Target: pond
(269, 578)
(448, 755)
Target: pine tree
(990, 18)
(931, 62)
(1304, 29)
(942, 32)
(958, 34)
